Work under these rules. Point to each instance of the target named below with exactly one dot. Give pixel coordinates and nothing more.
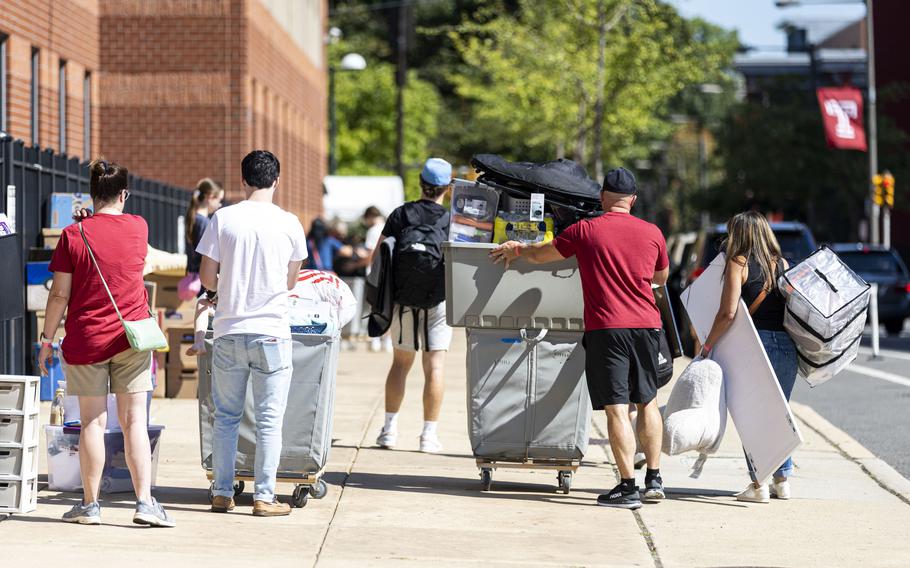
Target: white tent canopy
(347, 197)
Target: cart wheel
(211, 492)
(239, 486)
(486, 479)
(565, 481)
(319, 489)
(300, 496)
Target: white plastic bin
(480, 294)
(18, 495)
(63, 459)
(18, 392)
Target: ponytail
(205, 188)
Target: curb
(880, 472)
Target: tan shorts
(125, 372)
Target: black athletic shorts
(621, 365)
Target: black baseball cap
(620, 180)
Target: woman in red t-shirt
(96, 353)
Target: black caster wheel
(211, 492)
(486, 479)
(239, 486)
(300, 496)
(319, 489)
(565, 481)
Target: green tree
(775, 159)
(592, 79)
(366, 119)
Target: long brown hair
(749, 237)
(205, 189)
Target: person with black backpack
(419, 316)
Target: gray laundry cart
(528, 402)
(307, 428)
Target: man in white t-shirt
(252, 252)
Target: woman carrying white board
(754, 262)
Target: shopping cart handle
(540, 335)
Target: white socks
(429, 429)
(391, 422)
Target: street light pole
(873, 131)
(350, 62)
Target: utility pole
(874, 229)
(401, 79)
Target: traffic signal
(888, 186)
(878, 197)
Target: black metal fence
(28, 176)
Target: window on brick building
(3, 99)
(87, 117)
(62, 110)
(35, 97)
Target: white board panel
(756, 402)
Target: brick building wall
(60, 30)
(190, 86)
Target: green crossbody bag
(143, 335)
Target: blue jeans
(781, 352)
(267, 360)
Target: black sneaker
(620, 500)
(654, 489)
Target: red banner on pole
(842, 113)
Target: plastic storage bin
(63, 459)
(19, 393)
(473, 211)
(481, 294)
(18, 495)
(16, 459)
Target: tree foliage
(534, 81)
(775, 159)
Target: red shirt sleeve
(61, 260)
(566, 241)
(663, 261)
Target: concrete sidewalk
(403, 507)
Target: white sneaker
(752, 494)
(430, 444)
(375, 345)
(387, 439)
(780, 489)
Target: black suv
(883, 266)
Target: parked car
(883, 266)
(796, 243)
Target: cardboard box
(166, 294)
(151, 289)
(51, 237)
(181, 385)
(62, 207)
(159, 363)
(36, 326)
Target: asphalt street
(870, 400)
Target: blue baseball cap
(437, 172)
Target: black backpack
(419, 266)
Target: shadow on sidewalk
(464, 487)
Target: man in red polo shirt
(619, 257)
